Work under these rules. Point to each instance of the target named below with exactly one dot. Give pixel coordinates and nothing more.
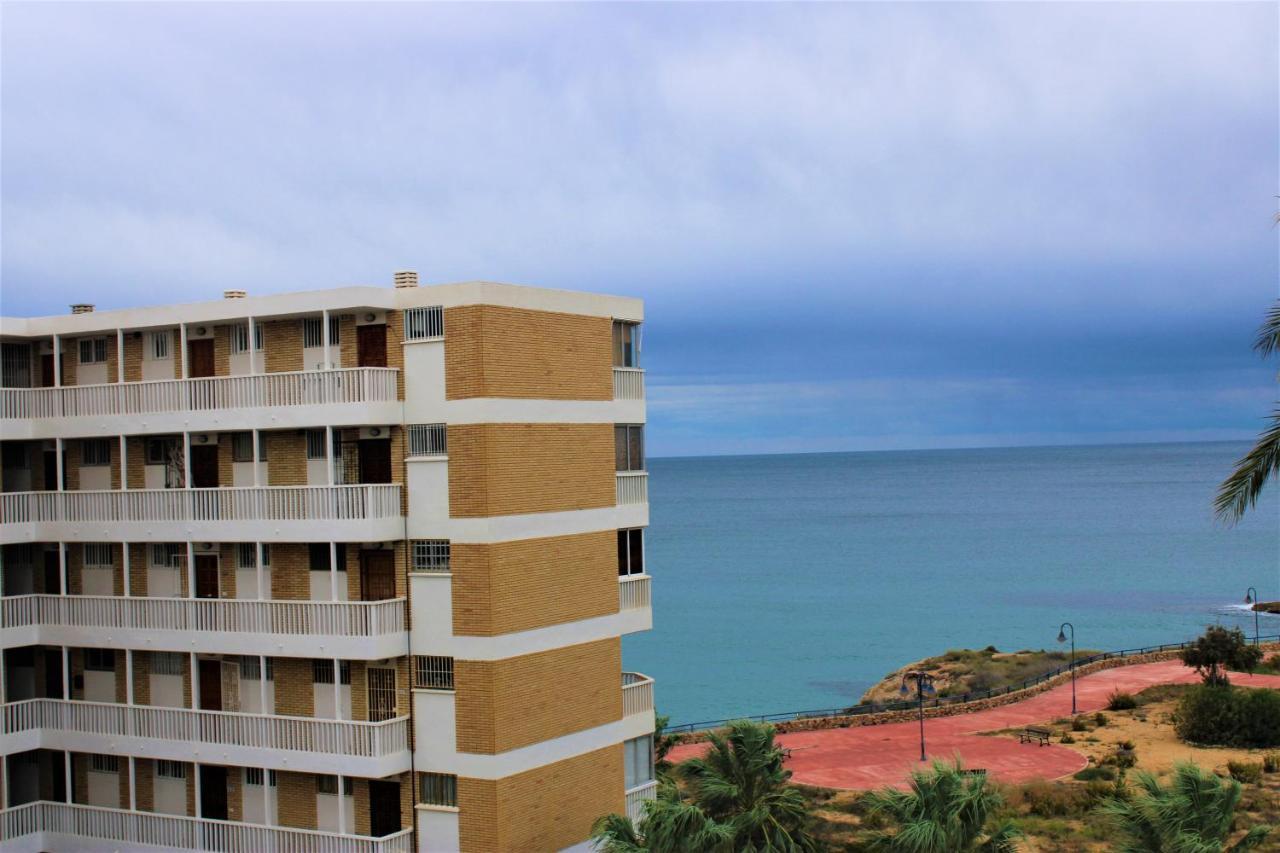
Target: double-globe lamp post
(1251, 597)
(924, 684)
(1062, 638)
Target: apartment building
(341, 570)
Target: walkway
(864, 757)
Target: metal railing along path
(941, 701)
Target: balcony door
(377, 575)
(52, 573)
(206, 575)
(384, 807)
(213, 792)
(210, 685)
(200, 358)
(204, 466)
(375, 459)
(371, 346)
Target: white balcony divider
(628, 383)
(633, 592)
(262, 503)
(637, 693)
(301, 388)
(636, 797)
(633, 487)
(340, 737)
(327, 618)
(122, 829)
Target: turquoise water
(793, 582)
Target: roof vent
(406, 278)
(82, 308)
(234, 294)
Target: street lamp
(1251, 597)
(1062, 638)
(924, 684)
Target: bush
(1096, 774)
(1100, 719)
(1218, 650)
(1247, 772)
(1119, 701)
(1067, 738)
(1048, 799)
(1079, 725)
(1227, 716)
(1271, 762)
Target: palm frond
(1268, 340)
(1239, 492)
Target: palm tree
(667, 824)
(1239, 492)
(742, 784)
(945, 811)
(1194, 814)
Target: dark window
(242, 448)
(626, 344)
(100, 660)
(319, 556)
(437, 789)
(159, 450)
(93, 350)
(631, 551)
(322, 671)
(95, 451)
(628, 447)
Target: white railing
(636, 797)
(637, 693)
(262, 503)
(302, 388)
(633, 487)
(328, 618)
(633, 592)
(339, 737)
(628, 383)
(124, 829)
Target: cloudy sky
(855, 226)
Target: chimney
(406, 278)
(82, 308)
(234, 294)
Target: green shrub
(1100, 719)
(1229, 716)
(1048, 799)
(1067, 738)
(1096, 774)
(1079, 725)
(1119, 701)
(1271, 762)
(1248, 772)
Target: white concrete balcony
(637, 796)
(637, 694)
(355, 513)
(300, 744)
(634, 592)
(345, 397)
(628, 383)
(354, 630)
(63, 826)
(633, 487)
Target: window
(93, 350)
(97, 554)
(250, 668)
(427, 440)
(253, 776)
(240, 337)
(159, 349)
(247, 556)
(242, 448)
(628, 446)
(160, 451)
(431, 555)
(315, 444)
(167, 663)
(167, 555)
(626, 344)
(311, 332)
(329, 785)
(638, 761)
(432, 673)
(171, 769)
(104, 763)
(631, 551)
(437, 789)
(318, 555)
(322, 671)
(95, 451)
(100, 660)
(422, 324)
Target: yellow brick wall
(133, 342)
(290, 571)
(395, 348)
(221, 350)
(503, 469)
(347, 353)
(495, 351)
(547, 808)
(295, 795)
(282, 345)
(137, 569)
(286, 457)
(113, 360)
(70, 360)
(135, 447)
(533, 583)
(514, 702)
(295, 695)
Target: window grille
(104, 763)
(430, 555)
(250, 668)
(432, 672)
(167, 555)
(422, 324)
(322, 671)
(311, 336)
(242, 447)
(318, 556)
(240, 337)
(626, 344)
(631, 551)
(15, 365)
(100, 660)
(253, 776)
(315, 444)
(97, 554)
(382, 693)
(93, 350)
(329, 785)
(171, 769)
(428, 440)
(159, 349)
(167, 663)
(160, 450)
(95, 451)
(628, 446)
(438, 789)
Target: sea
(793, 582)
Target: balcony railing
(637, 796)
(633, 487)
(302, 388)
(633, 592)
(637, 693)
(218, 616)
(628, 383)
(119, 828)
(350, 738)
(262, 503)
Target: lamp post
(924, 684)
(1062, 638)
(1251, 597)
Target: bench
(1031, 733)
